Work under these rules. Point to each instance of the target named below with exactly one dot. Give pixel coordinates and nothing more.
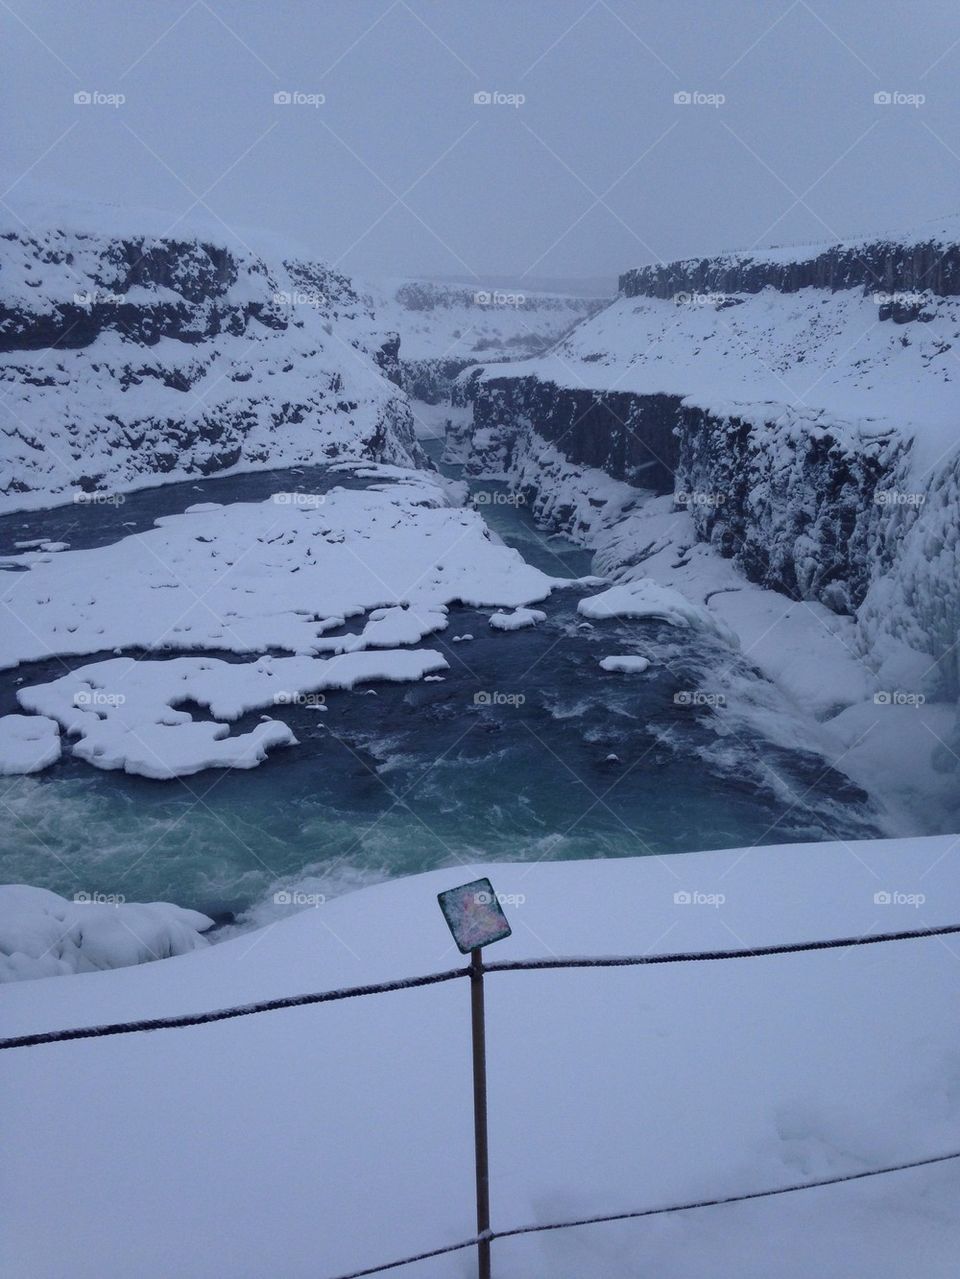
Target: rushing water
(558, 759)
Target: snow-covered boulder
(44, 935)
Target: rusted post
(480, 1112)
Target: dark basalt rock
(882, 267)
(794, 506)
(630, 437)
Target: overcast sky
(400, 172)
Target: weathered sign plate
(473, 915)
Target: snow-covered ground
(318, 1140)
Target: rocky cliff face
(124, 358)
(900, 265)
(629, 437)
(802, 409)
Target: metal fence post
(480, 1111)
(476, 919)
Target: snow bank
(645, 598)
(350, 1124)
(43, 935)
(28, 743)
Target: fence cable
(652, 1212)
(451, 974)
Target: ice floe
(125, 712)
(28, 743)
(626, 663)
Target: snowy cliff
(801, 406)
(132, 353)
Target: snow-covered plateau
(319, 1140)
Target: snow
(819, 354)
(517, 620)
(124, 711)
(441, 321)
(350, 1124)
(643, 597)
(273, 575)
(628, 663)
(28, 743)
(44, 935)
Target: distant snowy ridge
(912, 260)
(446, 328)
(131, 358)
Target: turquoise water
(564, 759)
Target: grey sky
(400, 172)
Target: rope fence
(650, 1212)
(475, 972)
(452, 974)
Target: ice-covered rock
(518, 619)
(628, 663)
(645, 598)
(44, 935)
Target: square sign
(473, 915)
